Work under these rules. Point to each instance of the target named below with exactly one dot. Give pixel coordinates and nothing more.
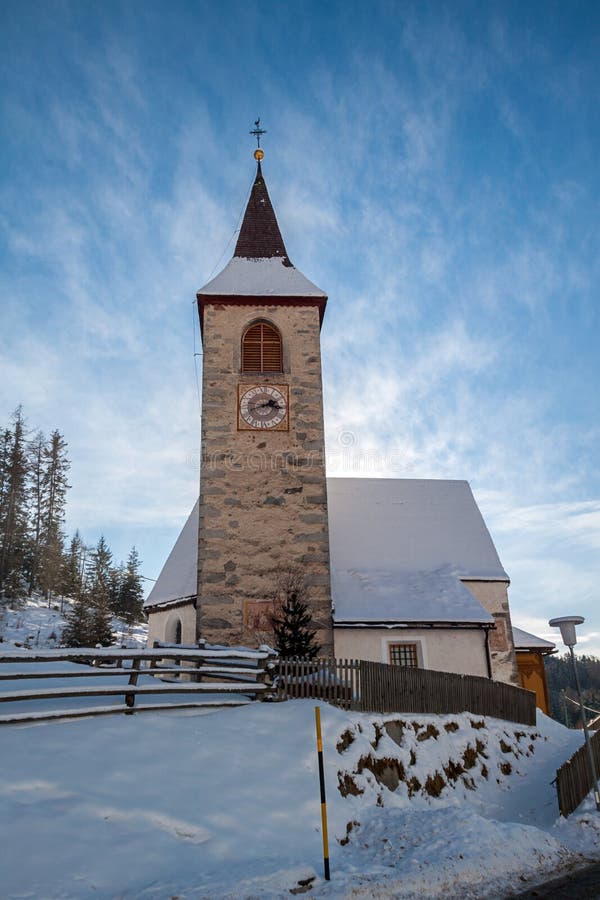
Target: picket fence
(574, 779)
(377, 687)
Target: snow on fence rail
(203, 676)
(377, 687)
(574, 779)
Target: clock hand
(270, 403)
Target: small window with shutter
(261, 349)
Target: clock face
(263, 407)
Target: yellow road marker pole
(323, 800)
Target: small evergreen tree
(131, 592)
(73, 568)
(293, 628)
(97, 592)
(79, 630)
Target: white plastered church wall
(461, 650)
(162, 624)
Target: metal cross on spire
(258, 131)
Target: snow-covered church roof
(178, 579)
(400, 550)
(386, 597)
(410, 524)
(260, 277)
(524, 640)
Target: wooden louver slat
(261, 349)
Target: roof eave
(390, 623)
(176, 601)
(500, 579)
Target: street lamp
(567, 631)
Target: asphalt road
(583, 883)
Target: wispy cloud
(414, 167)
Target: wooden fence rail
(377, 687)
(234, 675)
(349, 683)
(574, 779)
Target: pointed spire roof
(260, 268)
(260, 237)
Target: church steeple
(263, 496)
(260, 237)
(260, 268)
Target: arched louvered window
(261, 349)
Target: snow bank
(226, 805)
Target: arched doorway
(173, 629)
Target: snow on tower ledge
(266, 277)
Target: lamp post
(567, 631)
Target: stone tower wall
(263, 494)
(493, 595)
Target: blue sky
(434, 168)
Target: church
(402, 571)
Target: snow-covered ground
(35, 625)
(225, 804)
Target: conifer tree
(73, 568)
(117, 574)
(13, 510)
(292, 626)
(97, 591)
(35, 455)
(79, 628)
(5, 453)
(78, 631)
(56, 466)
(131, 595)
(6, 450)
(55, 486)
(50, 575)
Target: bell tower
(263, 493)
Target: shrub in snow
(292, 625)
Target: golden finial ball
(259, 154)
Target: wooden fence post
(135, 671)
